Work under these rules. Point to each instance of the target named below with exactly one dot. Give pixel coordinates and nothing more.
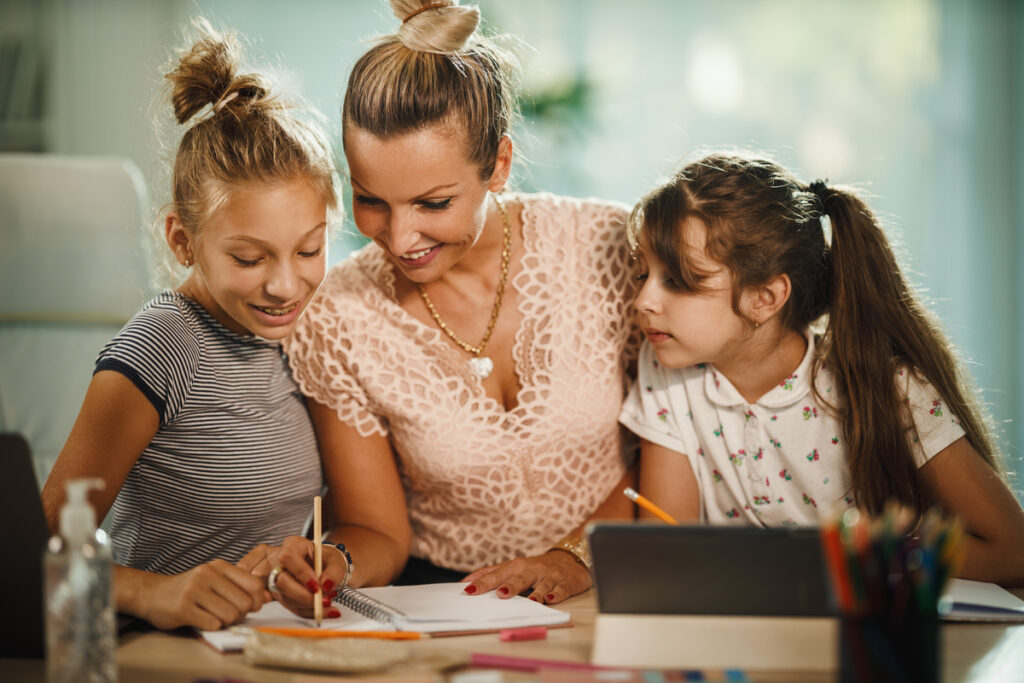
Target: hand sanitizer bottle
(80, 632)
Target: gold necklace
(480, 365)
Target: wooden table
(971, 652)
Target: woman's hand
(550, 578)
(209, 596)
(296, 582)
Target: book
(438, 609)
(980, 601)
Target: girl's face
(419, 197)
(260, 257)
(685, 327)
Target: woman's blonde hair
(246, 136)
(437, 69)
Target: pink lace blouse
(483, 484)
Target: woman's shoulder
(546, 203)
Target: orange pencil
(318, 562)
(327, 633)
(649, 506)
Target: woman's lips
(420, 257)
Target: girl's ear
(502, 165)
(766, 300)
(178, 239)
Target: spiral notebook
(441, 609)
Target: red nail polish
(333, 614)
(328, 585)
(503, 591)
(312, 586)
(535, 598)
(470, 589)
(549, 597)
(327, 602)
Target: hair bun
(440, 27)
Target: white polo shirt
(779, 461)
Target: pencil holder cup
(878, 648)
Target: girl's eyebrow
(262, 243)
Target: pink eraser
(525, 633)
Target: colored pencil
(649, 506)
(327, 633)
(318, 561)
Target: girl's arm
(114, 426)
(965, 485)
(667, 480)
(555, 575)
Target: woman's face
(419, 197)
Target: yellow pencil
(318, 560)
(327, 633)
(649, 506)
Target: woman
(466, 369)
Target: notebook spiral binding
(369, 607)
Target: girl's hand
(550, 578)
(296, 582)
(210, 596)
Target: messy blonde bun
(247, 136)
(438, 27)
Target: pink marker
(525, 633)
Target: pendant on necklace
(481, 366)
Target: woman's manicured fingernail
(333, 614)
(549, 597)
(328, 585)
(312, 586)
(326, 602)
(535, 598)
(503, 591)
(470, 589)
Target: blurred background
(920, 102)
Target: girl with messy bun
(192, 419)
(470, 362)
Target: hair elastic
(224, 100)
(436, 5)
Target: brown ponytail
(873, 304)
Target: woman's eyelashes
(436, 204)
(366, 200)
(428, 204)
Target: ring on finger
(272, 580)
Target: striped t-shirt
(234, 462)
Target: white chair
(73, 270)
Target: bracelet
(349, 567)
(578, 547)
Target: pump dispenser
(80, 631)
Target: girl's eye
(436, 205)
(245, 262)
(642, 277)
(311, 254)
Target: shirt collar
(721, 392)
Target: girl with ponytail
(790, 369)
(192, 419)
